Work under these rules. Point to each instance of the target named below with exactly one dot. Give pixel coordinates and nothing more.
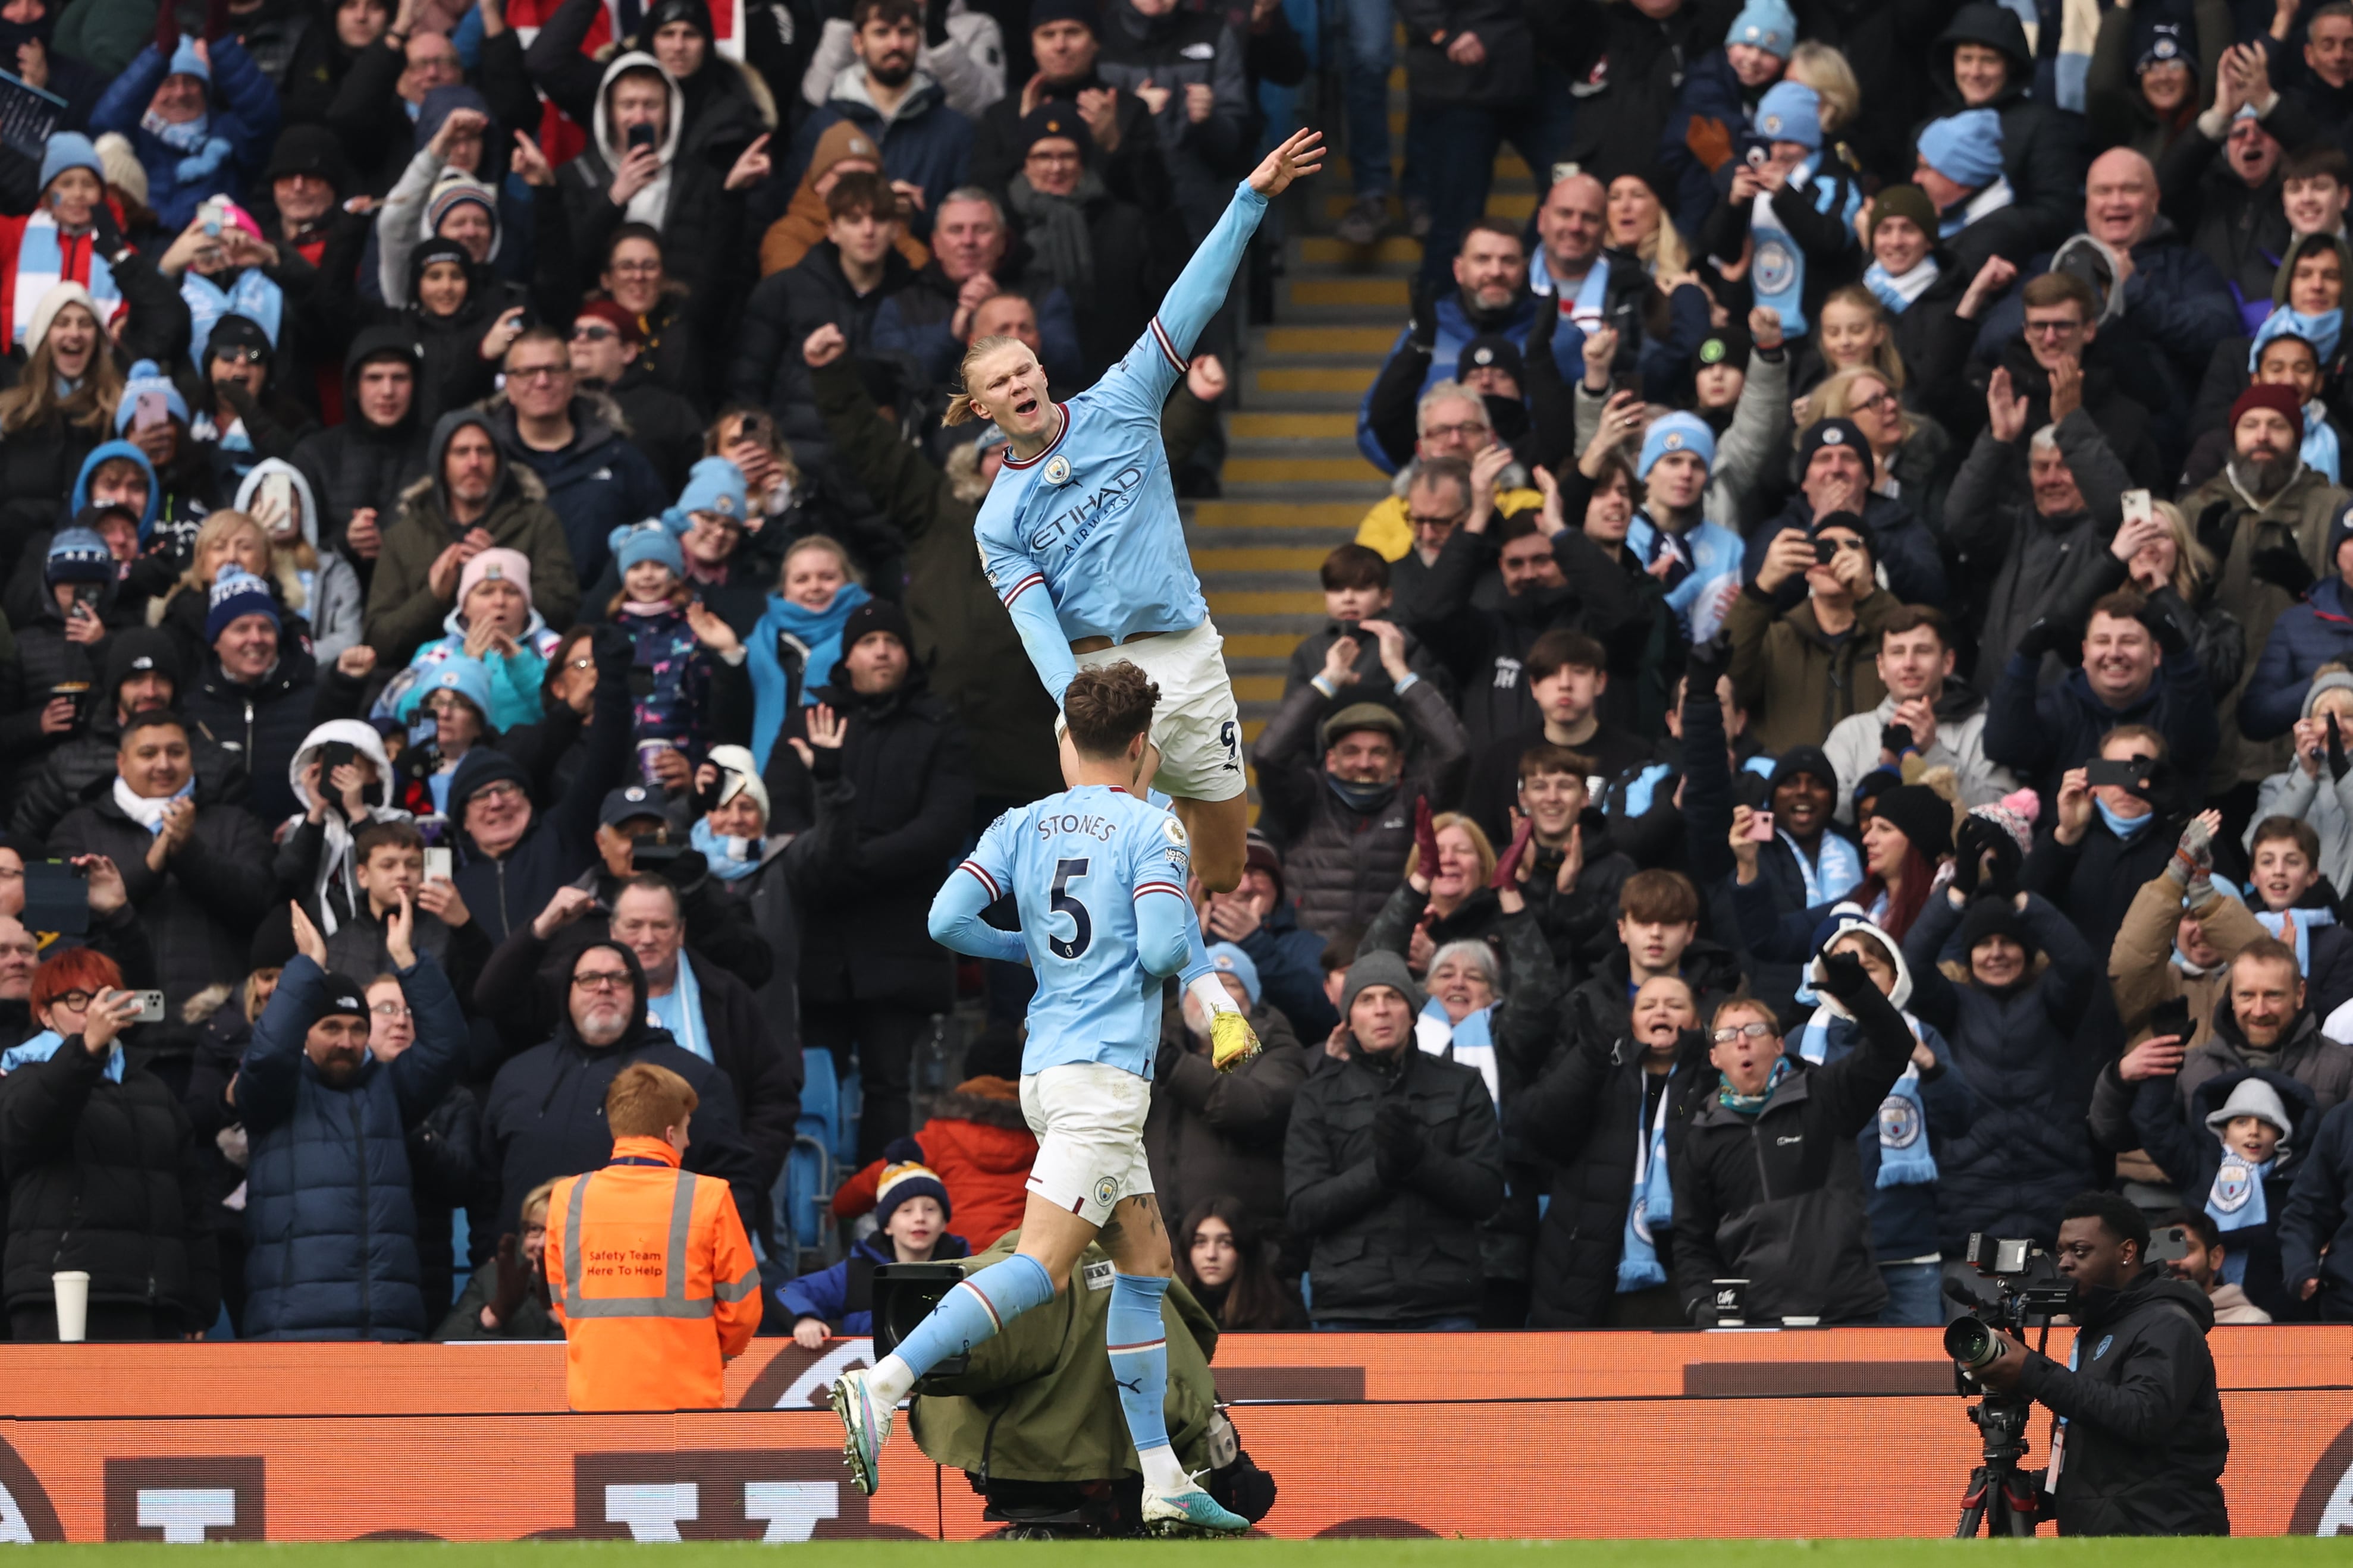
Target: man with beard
(328, 1200)
(926, 144)
(1489, 295)
(1926, 713)
(2267, 516)
(544, 1115)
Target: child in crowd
(912, 1209)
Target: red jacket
(982, 1148)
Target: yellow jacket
(648, 1324)
(1385, 527)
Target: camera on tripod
(1999, 1497)
(1974, 1341)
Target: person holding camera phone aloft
(103, 1177)
(2141, 1443)
(1767, 1186)
(2312, 787)
(1801, 671)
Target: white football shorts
(1088, 1118)
(1195, 726)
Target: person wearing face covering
(330, 1212)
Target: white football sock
(890, 1380)
(1212, 993)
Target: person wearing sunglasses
(1767, 1186)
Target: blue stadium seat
(804, 1199)
(821, 1109)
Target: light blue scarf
(1904, 1159)
(1750, 1104)
(1470, 1042)
(2319, 451)
(252, 296)
(2296, 927)
(2321, 329)
(1840, 872)
(820, 631)
(1651, 1207)
(728, 856)
(1777, 272)
(2125, 827)
(1898, 294)
(44, 1045)
(681, 1012)
(203, 150)
(2235, 1202)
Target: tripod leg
(1974, 1502)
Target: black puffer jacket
(1586, 1112)
(908, 760)
(1777, 1198)
(2031, 1065)
(1399, 1253)
(45, 658)
(358, 464)
(103, 1177)
(200, 910)
(265, 722)
(2146, 1441)
(2041, 149)
(1341, 862)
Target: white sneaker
(865, 1428)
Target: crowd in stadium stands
(1835, 742)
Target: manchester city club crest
(2233, 1185)
(1899, 1123)
(1057, 469)
(1106, 1190)
(1775, 268)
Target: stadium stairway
(1294, 484)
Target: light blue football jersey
(1100, 878)
(1088, 529)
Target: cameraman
(2143, 1444)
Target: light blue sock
(1139, 1361)
(975, 1310)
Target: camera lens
(1970, 1342)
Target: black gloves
(1540, 331)
(1423, 332)
(1397, 1140)
(1844, 977)
(1968, 853)
(2045, 635)
(1709, 662)
(2168, 631)
(2282, 567)
(1895, 738)
(613, 649)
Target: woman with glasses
(102, 1172)
(1913, 456)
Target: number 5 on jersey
(1067, 903)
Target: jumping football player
(1082, 540)
(1098, 874)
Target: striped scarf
(47, 257)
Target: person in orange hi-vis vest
(647, 1267)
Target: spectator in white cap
(496, 624)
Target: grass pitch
(2242, 1552)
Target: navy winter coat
(2041, 732)
(329, 1212)
(244, 113)
(842, 1296)
(1900, 543)
(2305, 636)
(598, 483)
(2026, 1060)
(2316, 1233)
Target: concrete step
(1248, 427)
(1336, 516)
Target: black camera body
(1970, 1340)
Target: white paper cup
(72, 1287)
